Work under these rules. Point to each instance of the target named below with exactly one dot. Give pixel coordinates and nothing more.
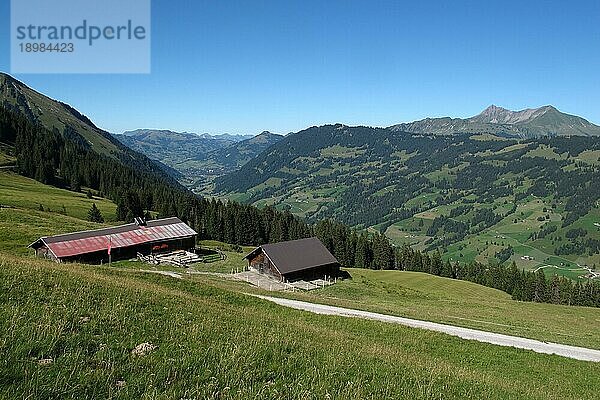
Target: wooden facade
(125, 242)
(261, 263)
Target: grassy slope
(21, 192)
(6, 158)
(422, 296)
(213, 341)
(22, 222)
(217, 343)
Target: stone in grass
(142, 349)
(45, 361)
(121, 384)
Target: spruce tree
(94, 214)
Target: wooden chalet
(125, 241)
(305, 259)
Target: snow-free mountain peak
(527, 123)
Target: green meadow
(21, 192)
(423, 296)
(68, 331)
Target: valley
(87, 319)
(491, 196)
(196, 160)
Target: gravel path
(577, 353)
(166, 273)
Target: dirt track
(577, 353)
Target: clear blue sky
(247, 66)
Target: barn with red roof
(124, 241)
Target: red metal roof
(74, 244)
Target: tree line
(520, 284)
(374, 251)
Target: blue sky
(243, 67)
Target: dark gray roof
(297, 255)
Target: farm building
(124, 241)
(305, 259)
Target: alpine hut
(121, 242)
(305, 259)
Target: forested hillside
(50, 158)
(68, 123)
(473, 197)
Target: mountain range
(165, 133)
(528, 123)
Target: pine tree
(554, 290)
(94, 214)
(540, 289)
(74, 184)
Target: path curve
(577, 353)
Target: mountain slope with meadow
(473, 196)
(60, 118)
(72, 328)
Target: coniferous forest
(138, 187)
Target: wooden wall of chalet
(43, 252)
(319, 272)
(126, 253)
(262, 264)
